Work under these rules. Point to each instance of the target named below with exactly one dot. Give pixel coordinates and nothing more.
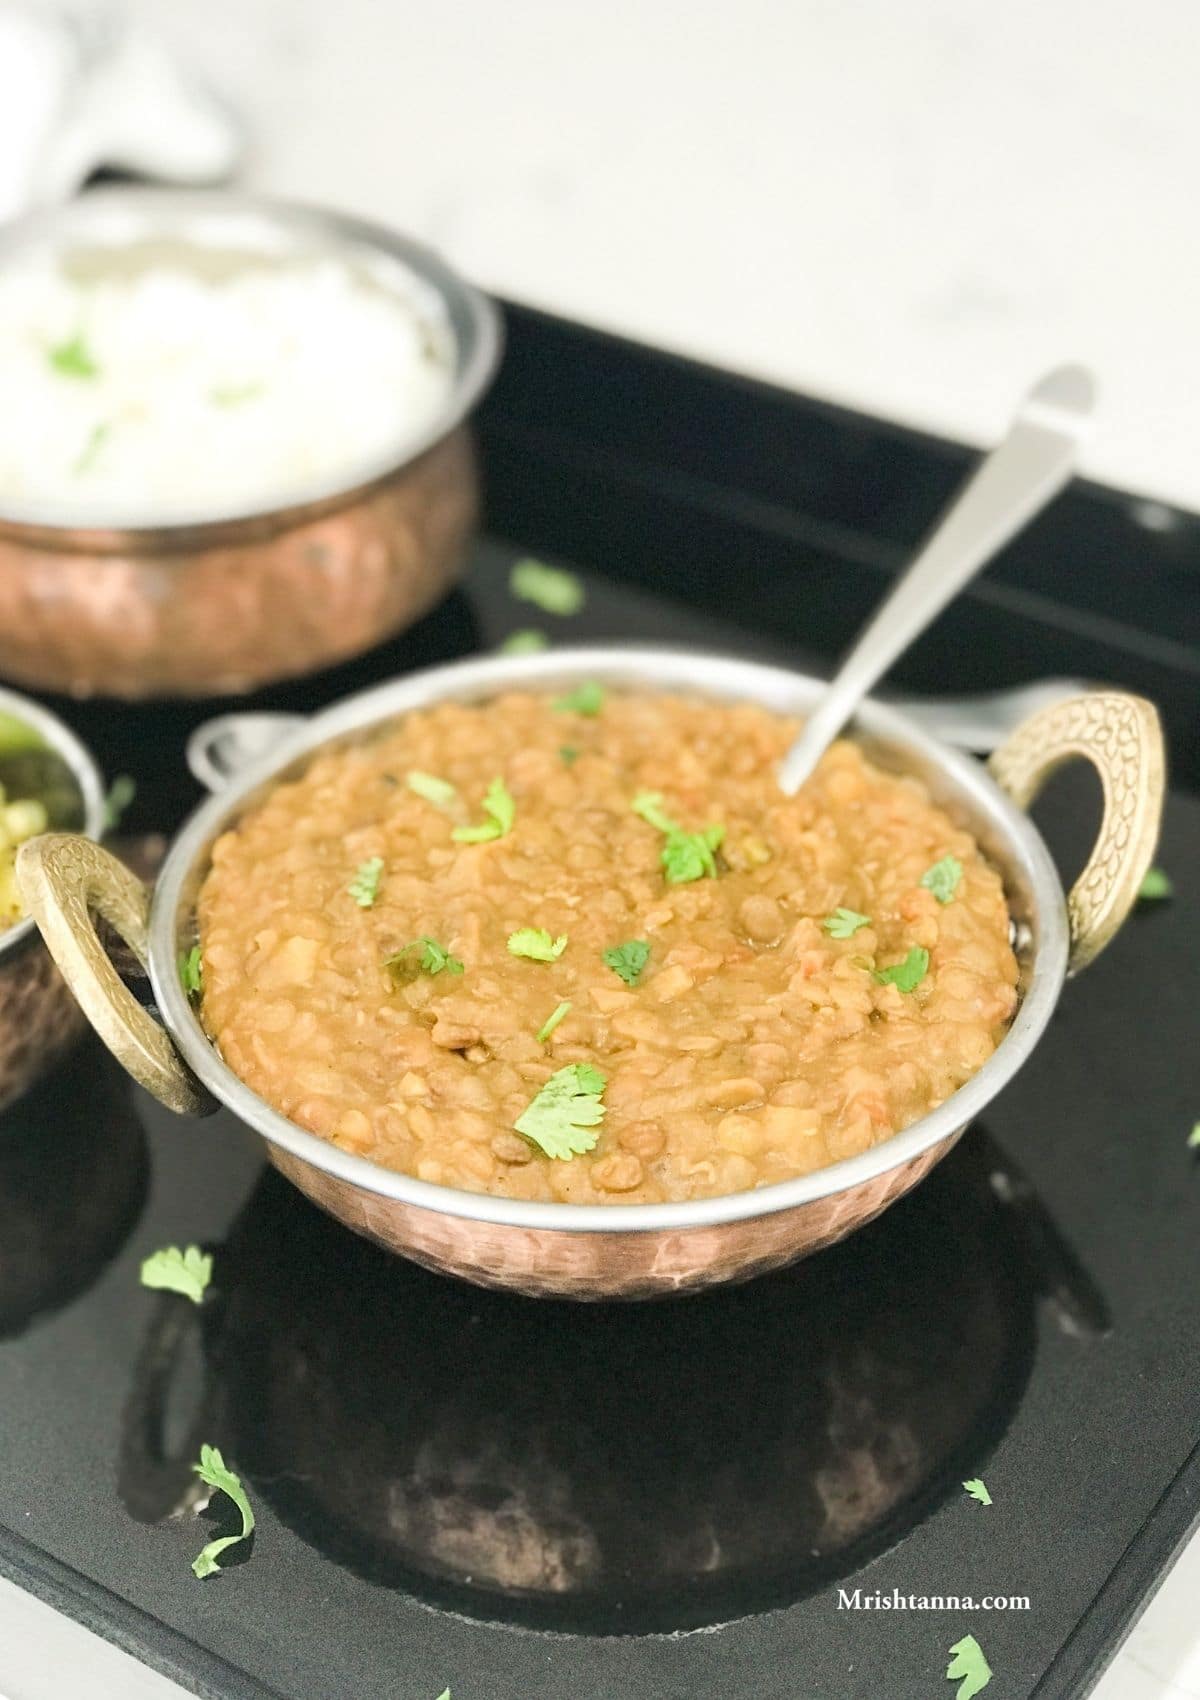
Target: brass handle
(1122, 738)
(63, 877)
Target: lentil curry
(583, 949)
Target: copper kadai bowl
(221, 602)
(612, 1251)
(38, 1016)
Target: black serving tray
(538, 1501)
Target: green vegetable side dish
(73, 358)
(560, 1120)
(906, 976)
(559, 1016)
(977, 1490)
(548, 588)
(942, 879)
(212, 1470)
(536, 944)
(364, 887)
(434, 959)
(844, 923)
(587, 700)
(120, 795)
(171, 1270)
(1156, 887)
(22, 819)
(628, 959)
(191, 971)
(525, 642)
(968, 1668)
(499, 806)
(437, 791)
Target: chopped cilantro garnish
(967, 1661)
(429, 786)
(648, 804)
(499, 805)
(212, 1469)
(174, 1271)
(1194, 1138)
(628, 959)
(525, 642)
(942, 879)
(906, 975)
(587, 699)
(548, 588)
(844, 923)
(434, 959)
(1156, 886)
(536, 943)
(120, 794)
(364, 887)
(568, 754)
(73, 358)
(548, 1026)
(560, 1119)
(96, 439)
(688, 856)
(977, 1490)
(191, 971)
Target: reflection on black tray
(73, 1174)
(609, 1468)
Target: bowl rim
(87, 217)
(82, 764)
(632, 667)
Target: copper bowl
(38, 1016)
(608, 1251)
(217, 602)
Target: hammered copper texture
(229, 608)
(551, 1263)
(39, 1018)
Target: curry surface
(753, 1047)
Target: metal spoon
(1014, 483)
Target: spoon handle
(1014, 482)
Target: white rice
(207, 394)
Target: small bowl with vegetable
(48, 782)
(235, 447)
(528, 968)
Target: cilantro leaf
(364, 887)
(967, 1661)
(1156, 886)
(688, 856)
(648, 804)
(942, 879)
(121, 793)
(906, 976)
(525, 642)
(191, 971)
(978, 1490)
(499, 805)
(844, 923)
(548, 588)
(569, 754)
(559, 1120)
(96, 439)
(628, 959)
(174, 1271)
(73, 358)
(1194, 1138)
(587, 699)
(548, 1026)
(434, 959)
(440, 792)
(536, 943)
(212, 1470)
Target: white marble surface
(909, 208)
